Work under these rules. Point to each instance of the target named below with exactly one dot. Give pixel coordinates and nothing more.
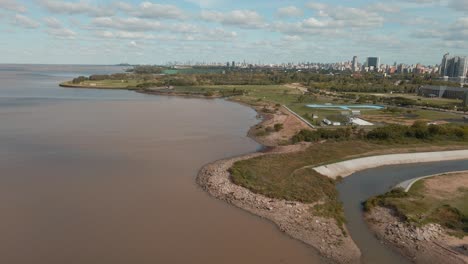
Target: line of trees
(419, 131)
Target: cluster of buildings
(453, 68)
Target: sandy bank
(346, 168)
(293, 218)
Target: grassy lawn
(442, 199)
(269, 93)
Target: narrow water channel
(361, 185)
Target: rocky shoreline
(294, 218)
(426, 244)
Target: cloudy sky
(268, 31)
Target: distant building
(453, 67)
(373, 62)
(443, 65)
(443, 92)
(355, 64)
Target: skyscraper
(443, 65)
(461, 67)
(454, 66)
(355, 63)
(373, 62)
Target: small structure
(327, 122)
(336, 124)
(359, 122)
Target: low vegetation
(419, 131)
(422, 205)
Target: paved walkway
(406, 185)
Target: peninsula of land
(282, 183)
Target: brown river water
(97, 177)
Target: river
(362, 185)
(95, 176)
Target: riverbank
(427, 224)
(427, 244)
(294, 218)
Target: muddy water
(109, 177)
(362, 185)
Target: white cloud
(61, 33)
(289, 11)
(74, 8)
(153, 11)
(11, 5)
(206, 3)
(292, 38)
(459, 5)
(131, 23)
(57, 29)
(138, 24)
(52, 22)
(240, 18)
(25, 22)
(123, 35)
(383, 8)
(346, 17)
(455, 32)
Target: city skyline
(157, 32)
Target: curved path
(348, 167)
(406, 185)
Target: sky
(265, 31)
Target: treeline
(101, 77)
(315, 81)
(146, 69)
(390, 133)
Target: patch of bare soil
(297, 86)
(446, 186)
(291, 126)
(389, 119)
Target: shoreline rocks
(294, 218)
(421, 244)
